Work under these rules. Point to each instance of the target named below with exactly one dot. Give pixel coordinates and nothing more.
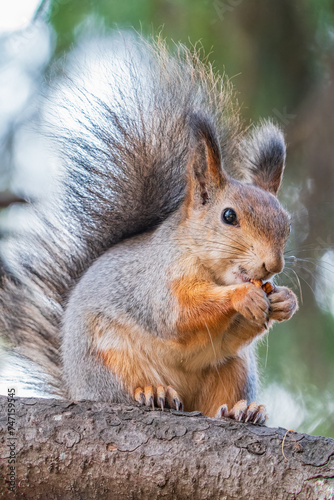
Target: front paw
(283, 304)
(252, 303)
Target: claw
(149, 396)
(251, 412)
(161, 395)
(178, 404)
(140, 396)
(238, 411)
(242, 413)
(173, 399)
(222, 411)
(261, 415)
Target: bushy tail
(122, 131)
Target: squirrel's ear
(263, 157)
(205, 174)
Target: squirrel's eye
(229, 216)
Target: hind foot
(241, 412)
(162, 397)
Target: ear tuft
(205, 136)
(206, 176)
(263, 157)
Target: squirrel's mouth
(241, 277)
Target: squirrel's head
(239, 229)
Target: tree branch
(100, 451)
(7, 198)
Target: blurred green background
(280, 56)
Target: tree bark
(90, 450)
(7, 198)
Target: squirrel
(137, 280)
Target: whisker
(306, 248)
(299, 285)
(295, 284)
(218, 244)
(330, 282)
(225, 245)
(235, 255)
(246, 247)
(267, 351)
(204, 242)
(299, 262)
(323, 276)
(314, 262)
(289, 268)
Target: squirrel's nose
(273, 265)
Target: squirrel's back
(122, 126)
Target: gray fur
(124, 159)
(138, 266)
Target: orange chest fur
(138, 358)
(201, 316)
(202, 310)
